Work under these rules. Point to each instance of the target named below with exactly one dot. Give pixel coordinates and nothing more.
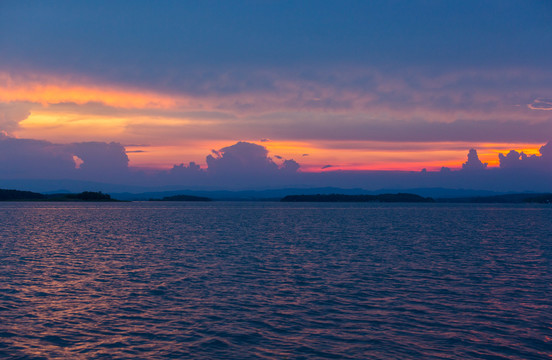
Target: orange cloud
(49, 90)
(391, 156)
(179, 139)
(541, 104)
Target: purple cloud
(290, 166)
(100, 157)
(473, 162)
(248, 165)
(27, 158)
(11, 114)
(242, 157)
(541, 104)
(520, 160)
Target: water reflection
(268, 280)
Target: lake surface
(275, 280)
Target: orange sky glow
(160, 151)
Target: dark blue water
(275, 281)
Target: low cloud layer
(240, 165)
(246, 165)
(473, 162)
(37, 159)
(519, 160)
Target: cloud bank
(37, 159)
(519, 160)
(240, 165)
(246, 165)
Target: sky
(317, 86)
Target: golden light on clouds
(313, 157)
(180, 129)
(78, 127)
(47, 90)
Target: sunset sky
(354, 85)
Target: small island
(18, 195)
(545, 198)
(539, 199)
(183, 198)
(400, 197)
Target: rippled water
(275, 281)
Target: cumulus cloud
(191, 167)
(11, 114)
(188, 175)
(546, 150)
(243, 164)
(242, 157)
(473, 162)
(101, 157)
(247, 164)
(290, 166)
(520, 160)
(28, 158)
(34, 158)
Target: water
(275, 281)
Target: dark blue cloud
(38, 159)
(169, 43)
(242, 165)
(521, 161)
(240, 159)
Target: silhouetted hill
(541, 199)
(83, 196)
(278, 193)
(505, 199)
(183, 198)
(400, 197)
(17, 195)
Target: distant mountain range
(136, 192)
(277, 194)
(401, 197)
(285, 195)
